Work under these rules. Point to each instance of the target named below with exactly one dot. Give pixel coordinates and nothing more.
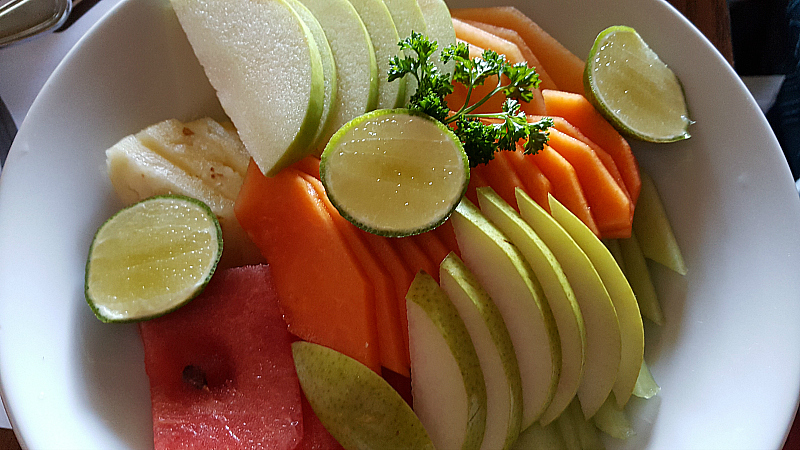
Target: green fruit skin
(197, 292)
(331, 147)
(614, 121)
(425, 292)
(358, 407)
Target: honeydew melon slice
(266, 68)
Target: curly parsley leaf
(481, 134)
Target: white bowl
(728, 358)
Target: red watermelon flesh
(221, 369)
(315, 436)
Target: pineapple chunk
(201, 159)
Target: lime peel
(633, 89)
(151, 258)
(395, 172)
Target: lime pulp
(633, 89)
(151, 258)
(394, 172)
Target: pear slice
(557, 290)
(630, 319)
(603, 342)
(439, 24)
(495, 351)
(356, 67)
(502, 270)
(651, 224)
(380, 26)
(407, 17)
(446, 379)
(266, 68)
(330, 76)
(639, 276)
(358, 407)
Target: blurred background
(766, 53)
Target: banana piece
(202, 159)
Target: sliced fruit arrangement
(508, 325)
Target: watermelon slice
(221, 369)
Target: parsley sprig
(481, 134)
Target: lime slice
(151, 258)
(395, 173)
(635, 91)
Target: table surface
(711, 17)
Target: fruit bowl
(727, 359)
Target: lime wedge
(151, 258)
(395, 173)
(635, 91)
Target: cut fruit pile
(510, 322)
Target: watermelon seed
(194, 377)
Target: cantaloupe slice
(610, 206)
(393, 350)
(566, 187)
(288, 222)
(514, 37)
(579, 112)
(563, 66)
(485, 40)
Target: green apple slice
(495, 351)
(380, 26)
(557, 290)
(630, 319)
(651, 225)
(354, 55)
(358, 407)
(407, 17)
(511, 283)
(265, 65)
(639, 276)
(439, 24)
(603, 346)
(328, 69)
(446, 379)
